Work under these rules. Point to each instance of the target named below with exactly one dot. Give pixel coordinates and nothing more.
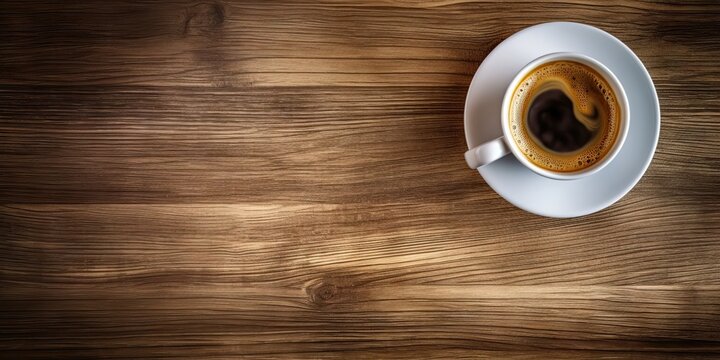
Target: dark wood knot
(331, 290)
(322, 293)
(325, 292)
(204, 18)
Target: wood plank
(254, 123)
(109, 180)
(327, 316)
(322, 145)
(660, 241)
(408, 352)
(379, 43)
(151, 121)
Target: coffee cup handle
(486, 153)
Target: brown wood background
(194, 179)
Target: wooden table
(198, 180)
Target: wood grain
(331, 314)
(285, 180)
(421, 243)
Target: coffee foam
(587, 90)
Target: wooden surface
(216, 179)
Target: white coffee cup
(495, 149)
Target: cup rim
(612, 81)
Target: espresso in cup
(564, 116)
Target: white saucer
(563, 198)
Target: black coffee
(564, 116)
(552, 120)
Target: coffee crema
(564, 116)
